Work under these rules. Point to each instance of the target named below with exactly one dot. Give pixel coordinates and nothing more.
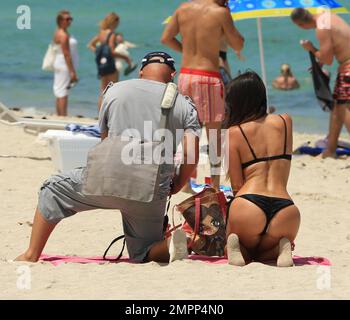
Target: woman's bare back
(267, 139)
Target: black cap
(164, 58)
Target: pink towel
(57, 260)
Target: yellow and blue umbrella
(248, 9)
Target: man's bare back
(201, 24)
(340, 34)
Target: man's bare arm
(326, 54)
(190, 161)
(234, 39)
(170, 32)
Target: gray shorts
(60, 196)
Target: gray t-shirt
(132, 108)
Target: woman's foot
(285, 254)
(234, 254)
(178, 246)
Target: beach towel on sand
(59, 259)
(315, 151)
(92, 130)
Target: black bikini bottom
(270, 205)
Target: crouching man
(126, 107)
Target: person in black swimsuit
(263, 220)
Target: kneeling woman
(263, 220)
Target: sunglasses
(68, 19)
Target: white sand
(319, 187)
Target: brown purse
(205, 222)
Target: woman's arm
(64, 41)
(92, 44)
(234, 160)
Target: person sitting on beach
(66, 61)
(263, 220)
(286, 81)
(126, 107)
(333, 34)
(107, 35)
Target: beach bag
(205, 222)
(104, 58)
(49, 58)
(125, 167)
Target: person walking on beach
(202, 25)
(333, 34)
(286, 81)
(263, 220)
(105, 52)
(66, 60)
(126, 107)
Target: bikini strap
(246, 139)
(285, 135)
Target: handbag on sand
(128, 168)
(49, 58)
(205, 222)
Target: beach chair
(33, 126)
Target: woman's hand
(73, 76)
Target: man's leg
(347, 116)
(336, 121)
(41, 231)
(213, 131)
(60, 197)
(169, 250)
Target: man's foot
(234, 254)
(178, 246)
(328, 154)
(215, 182)
(285, 254)
(26, 257)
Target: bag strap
(108, 37)
(197, 202)
(168, 102)
(113, 242)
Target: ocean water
(24, 84)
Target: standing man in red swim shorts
(333, 34)
(202, 24)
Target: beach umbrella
(258, 9)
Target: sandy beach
(320, 188)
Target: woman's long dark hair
(245, 99)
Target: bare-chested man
(202, 24)
(333, 34)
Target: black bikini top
(256, 160)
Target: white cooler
(68, 149)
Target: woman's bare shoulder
(233, 133)
(60, 36)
